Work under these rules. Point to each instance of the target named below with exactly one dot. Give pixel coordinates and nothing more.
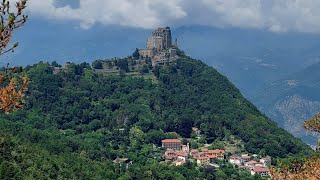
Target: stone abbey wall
(159, 47)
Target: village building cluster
(160, 48)
(252, 163)
(178, 153)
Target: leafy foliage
(12, 89)
(306, 168)
(313, 124)
(12, 85)
(136, 54)
(10, 20)
(97, 64)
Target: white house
(235, 159)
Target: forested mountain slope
(74, 118)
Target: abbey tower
(160, 39)
(159, 47)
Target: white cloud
(273, 15)
(137, 13)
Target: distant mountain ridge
(293, 100)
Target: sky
(271, 15)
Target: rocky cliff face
(291, 111)
(291, 100)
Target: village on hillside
(178, 154)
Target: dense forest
(77, 122)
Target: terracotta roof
(233, 157)
(245, 157)
(195, 155)
(180, 153)
(171, 141)
(251, 162)
(216, 151)
(194, 151)
(259, 169)
(212, 157)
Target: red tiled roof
(251, 162)
(233, 157)
(171, 141)
(194, 151)
(245, 157)
(180, 153)
(212, 157)
(216, 151)
(259, 169)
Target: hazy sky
(273, 15)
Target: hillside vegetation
(77, 121)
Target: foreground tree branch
(13, 83)
(308, 168)
(313, 124)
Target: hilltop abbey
(160, 48)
